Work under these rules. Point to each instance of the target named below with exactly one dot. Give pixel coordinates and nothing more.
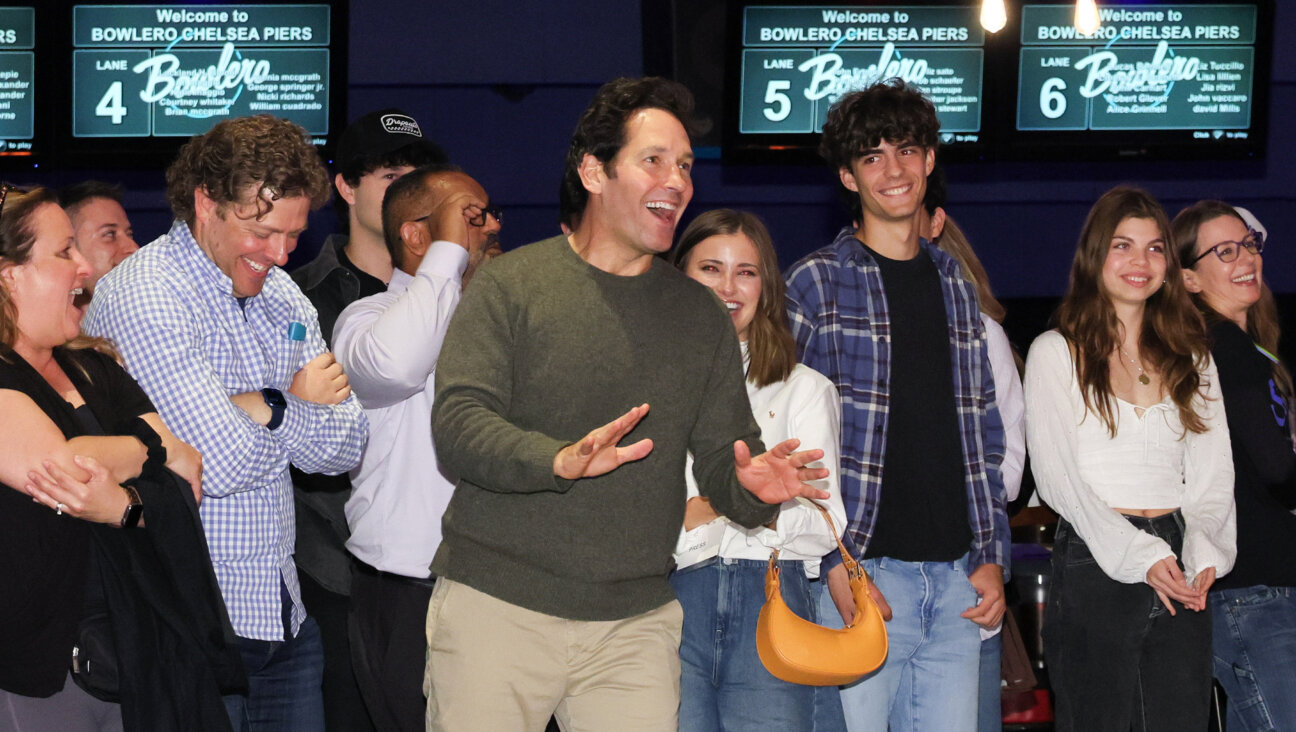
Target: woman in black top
(1254, 607)
(82, 443)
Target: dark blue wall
(500, 85)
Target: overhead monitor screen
(175, 70)
(17, 81)
(793, 61)
(144, 77)
(1189, 71)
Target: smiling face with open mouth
(730, 265)
(1136, 261)
(891, 179)
(44, 289)
(243, 245)
(1230, 288)
(643, 191)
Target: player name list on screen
(17, 80)
(1148, 67)
(797, 61)
(175, 70)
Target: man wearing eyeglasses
(439, 227)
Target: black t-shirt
(369, 285)
(1264, 468)
(922, 512)
(44, 556)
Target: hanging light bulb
(993, 15)
(1086, 17)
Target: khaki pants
(495, 666)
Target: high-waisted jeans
(724, 685)
(1117, 660)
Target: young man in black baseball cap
(374, 150)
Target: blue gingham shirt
(186, 340)
(839, 317)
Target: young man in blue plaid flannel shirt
(889, 318)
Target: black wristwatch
(134, 512)
(278, 405)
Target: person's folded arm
(321, 438)
(162, 346)
(30, 438)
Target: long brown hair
(954, 242)
(17, 236)
(769, 339)
(1173, 338)
(1262, 318)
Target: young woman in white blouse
(1129, 445)
(720, 575)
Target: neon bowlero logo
(829, 79)
(167, 83)
(1108, 77)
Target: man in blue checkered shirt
(230, 352)
(891, 320)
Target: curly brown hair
(273, 157)
(888, 111)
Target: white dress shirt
(1012, 404)
(1152, 462)
(804, 406)
(388, 344)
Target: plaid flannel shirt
(839, 317)
(188, 342)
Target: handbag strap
(853, 568)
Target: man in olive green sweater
(552, 596)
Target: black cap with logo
(371, 139)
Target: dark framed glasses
(1228, 251)
(480, 219)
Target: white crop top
(1083, 472)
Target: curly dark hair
(272, 156)
(890, 110)
(601, 129)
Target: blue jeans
(990, 685)
(1255, 655)
(929, 679)
(284, 681)
(723, 684)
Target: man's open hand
(597, 453)
(779, 474)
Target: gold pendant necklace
(1142, 377)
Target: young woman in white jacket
(720, 575)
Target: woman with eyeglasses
(720, 575)
(1129, 445)
(1254, 607)
(85, 457)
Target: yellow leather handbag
(797, 650)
